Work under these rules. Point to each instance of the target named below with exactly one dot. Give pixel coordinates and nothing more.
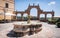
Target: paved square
(48, 31)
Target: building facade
(6, 6)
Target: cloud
(52, 3)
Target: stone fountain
(27, 27)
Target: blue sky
(46, 5)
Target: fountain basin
(26, 28)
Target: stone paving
(48, 31)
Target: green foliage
(52, 21)
(58, 20)
(42, 18)
(33, 18)
(25, 18)
(58, 24)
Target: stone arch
(18, 16)
(34, 6)
(42, 16)
(33, 12)
(25, 15)
(39, 11)
(49, 15)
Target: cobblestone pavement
(48, 31)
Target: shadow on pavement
(13, 34)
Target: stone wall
(10, 8)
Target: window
(6, 5)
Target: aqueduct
(39, 11)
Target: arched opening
(18, 17)
(33, 13)
(42, 17)
(25, 17)
(49, 16)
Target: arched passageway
(49, 16)
(33, 12)
(18, 16)
(42, 16)
(25, 16)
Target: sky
(45, 5)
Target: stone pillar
(38, 16)
(16, 16)
(45, 17)
(28, 13)
(21, 17)
(52, 16)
